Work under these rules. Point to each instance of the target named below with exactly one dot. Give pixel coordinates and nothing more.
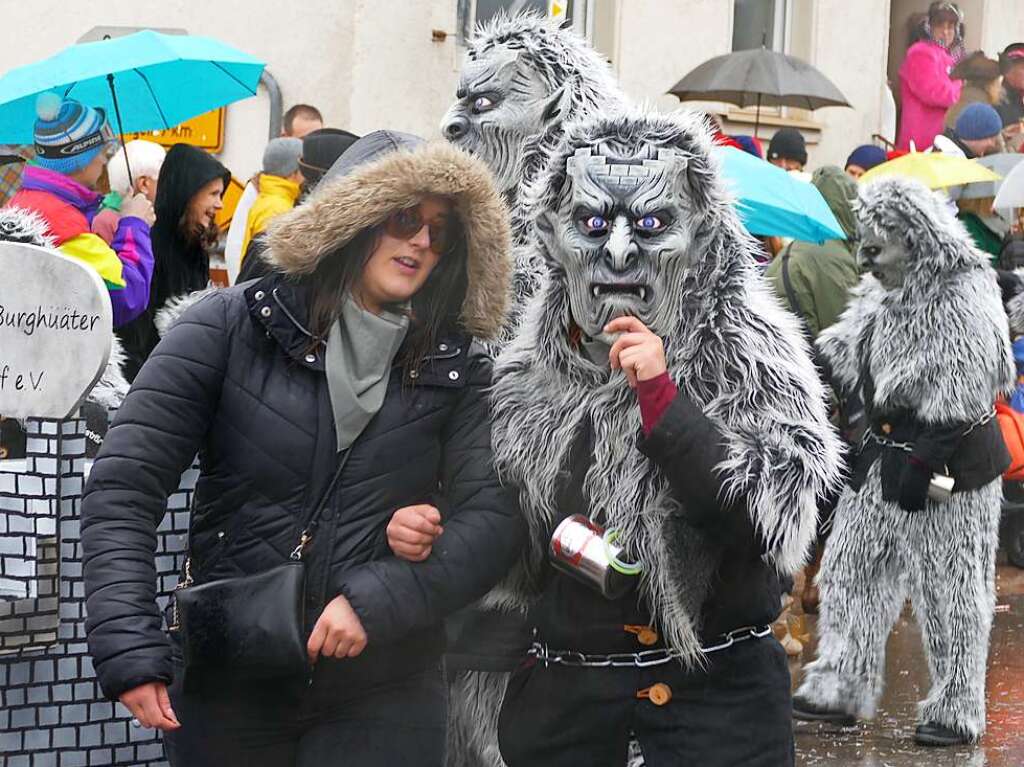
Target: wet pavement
(888, 741)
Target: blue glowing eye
(649, 223)
(596, 224)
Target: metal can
(583, 550)
(940, 489)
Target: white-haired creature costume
(926, 337)
(716, 496)
(522, 78)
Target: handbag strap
(304, 539)
(313, 520)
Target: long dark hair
(434, 309)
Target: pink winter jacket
(926, 92)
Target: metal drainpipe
(274, 91)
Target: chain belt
(641, 659)
(908, 447)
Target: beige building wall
(364, 64)
(849, 45)
(661, 41)
(394, 63)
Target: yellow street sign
(557, 9)
(205, 132)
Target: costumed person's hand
(338, 632)
(914, 481)
(151, 705)
(138, 206)
(413, 530)
(638, 351)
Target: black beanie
(320, 148)
(788, 144)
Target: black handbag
(250, 627)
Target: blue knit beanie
(866, 156)
(978, 121)
(68, 135)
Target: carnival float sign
(55, 332)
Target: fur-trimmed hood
(396, 171)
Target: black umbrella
(759, 77)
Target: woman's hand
(638, 351)
(413, 530)
(338, 633)
(151, 705)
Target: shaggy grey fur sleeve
(958, 361)
(783, 454)
(838, 344)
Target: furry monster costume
(926, 336)
(522, 79)
(633, 218)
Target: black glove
(914, 481)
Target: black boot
(932, 734)
(806, 711)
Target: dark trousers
(737, 712)
(396, 723)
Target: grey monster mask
(522, 77)
(622, 217)
(909, 235)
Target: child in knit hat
(73, 144)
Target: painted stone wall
(52, 713)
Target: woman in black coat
(361, 339)
(189, 193)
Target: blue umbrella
(148, 80)
(774, 204)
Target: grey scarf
(360, 349)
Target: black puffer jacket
(234, 380)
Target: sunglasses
(406, 223)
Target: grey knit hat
(281, 157)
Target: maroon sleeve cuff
(655, 396)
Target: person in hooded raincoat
(821, 276)
(189, 194)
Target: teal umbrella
(148, 80)
(772, 203)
